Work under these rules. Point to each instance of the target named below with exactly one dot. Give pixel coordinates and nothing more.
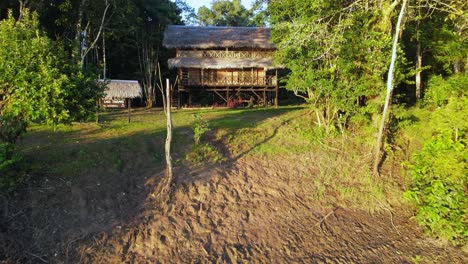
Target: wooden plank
(258, 96)
(129, 102)
(276, 89)
(221, 96)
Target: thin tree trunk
(391, 69)
(169, 132)
(79, 29)
(418, 71)
(85, 51)
(164, 187)
(104, 55)
(129, 106)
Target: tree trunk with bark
(418, 71)
(388, 98)
(163, 189)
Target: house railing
(224, 54)
(229, 81)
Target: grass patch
(203, 153)
(336, 166)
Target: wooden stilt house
(226, 61)
(119, 93)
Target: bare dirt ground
(252, 209)
(249, 211)
(253, 212)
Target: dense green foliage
(128, 28)
(337, 54)
(51, 58)
(338, 51)
(442, 91)
(32, 85)
(439, 177)
(225, 13)
(439, 173)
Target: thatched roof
(217, 37)
(212, 63)
(122, 89)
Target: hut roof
(212, 63)
(217, 37)
(122, 89)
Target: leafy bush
(11, 174)
(203, 153)
(11, 128)
(200, 127)
(439, 179)
(440, 90)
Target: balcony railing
(224, 54)
(229, 81)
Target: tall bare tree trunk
(79, 30)
(418, 71)
(149, 67)
(167, 147)
(391, 69)
(164, 187)
(85, 50)
(104, 55)
(418, 55)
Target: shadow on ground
(91, 179)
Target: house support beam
(258, 96)
(276, 89)
(129, 106)
(222, 97)
(227, 95)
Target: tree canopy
(225, 13)
(338, 51)
(32, 85)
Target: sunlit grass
(337, 165)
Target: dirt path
(253, 212)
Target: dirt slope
(252, 211)
(279, 197)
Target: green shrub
(11, 174)
(203, 153)
(200, 127)
(11, 127)
(440, 90)
(439, 179)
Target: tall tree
(32, 85)
(337, 52)
(390, 84)
(149, 43)
(434, 39)
(225, 13)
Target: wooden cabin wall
(221, 74)
(194, 75)
(234, 75)
(260, 73)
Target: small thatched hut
(227, 61)
(119, 93)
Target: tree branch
(83, 55)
